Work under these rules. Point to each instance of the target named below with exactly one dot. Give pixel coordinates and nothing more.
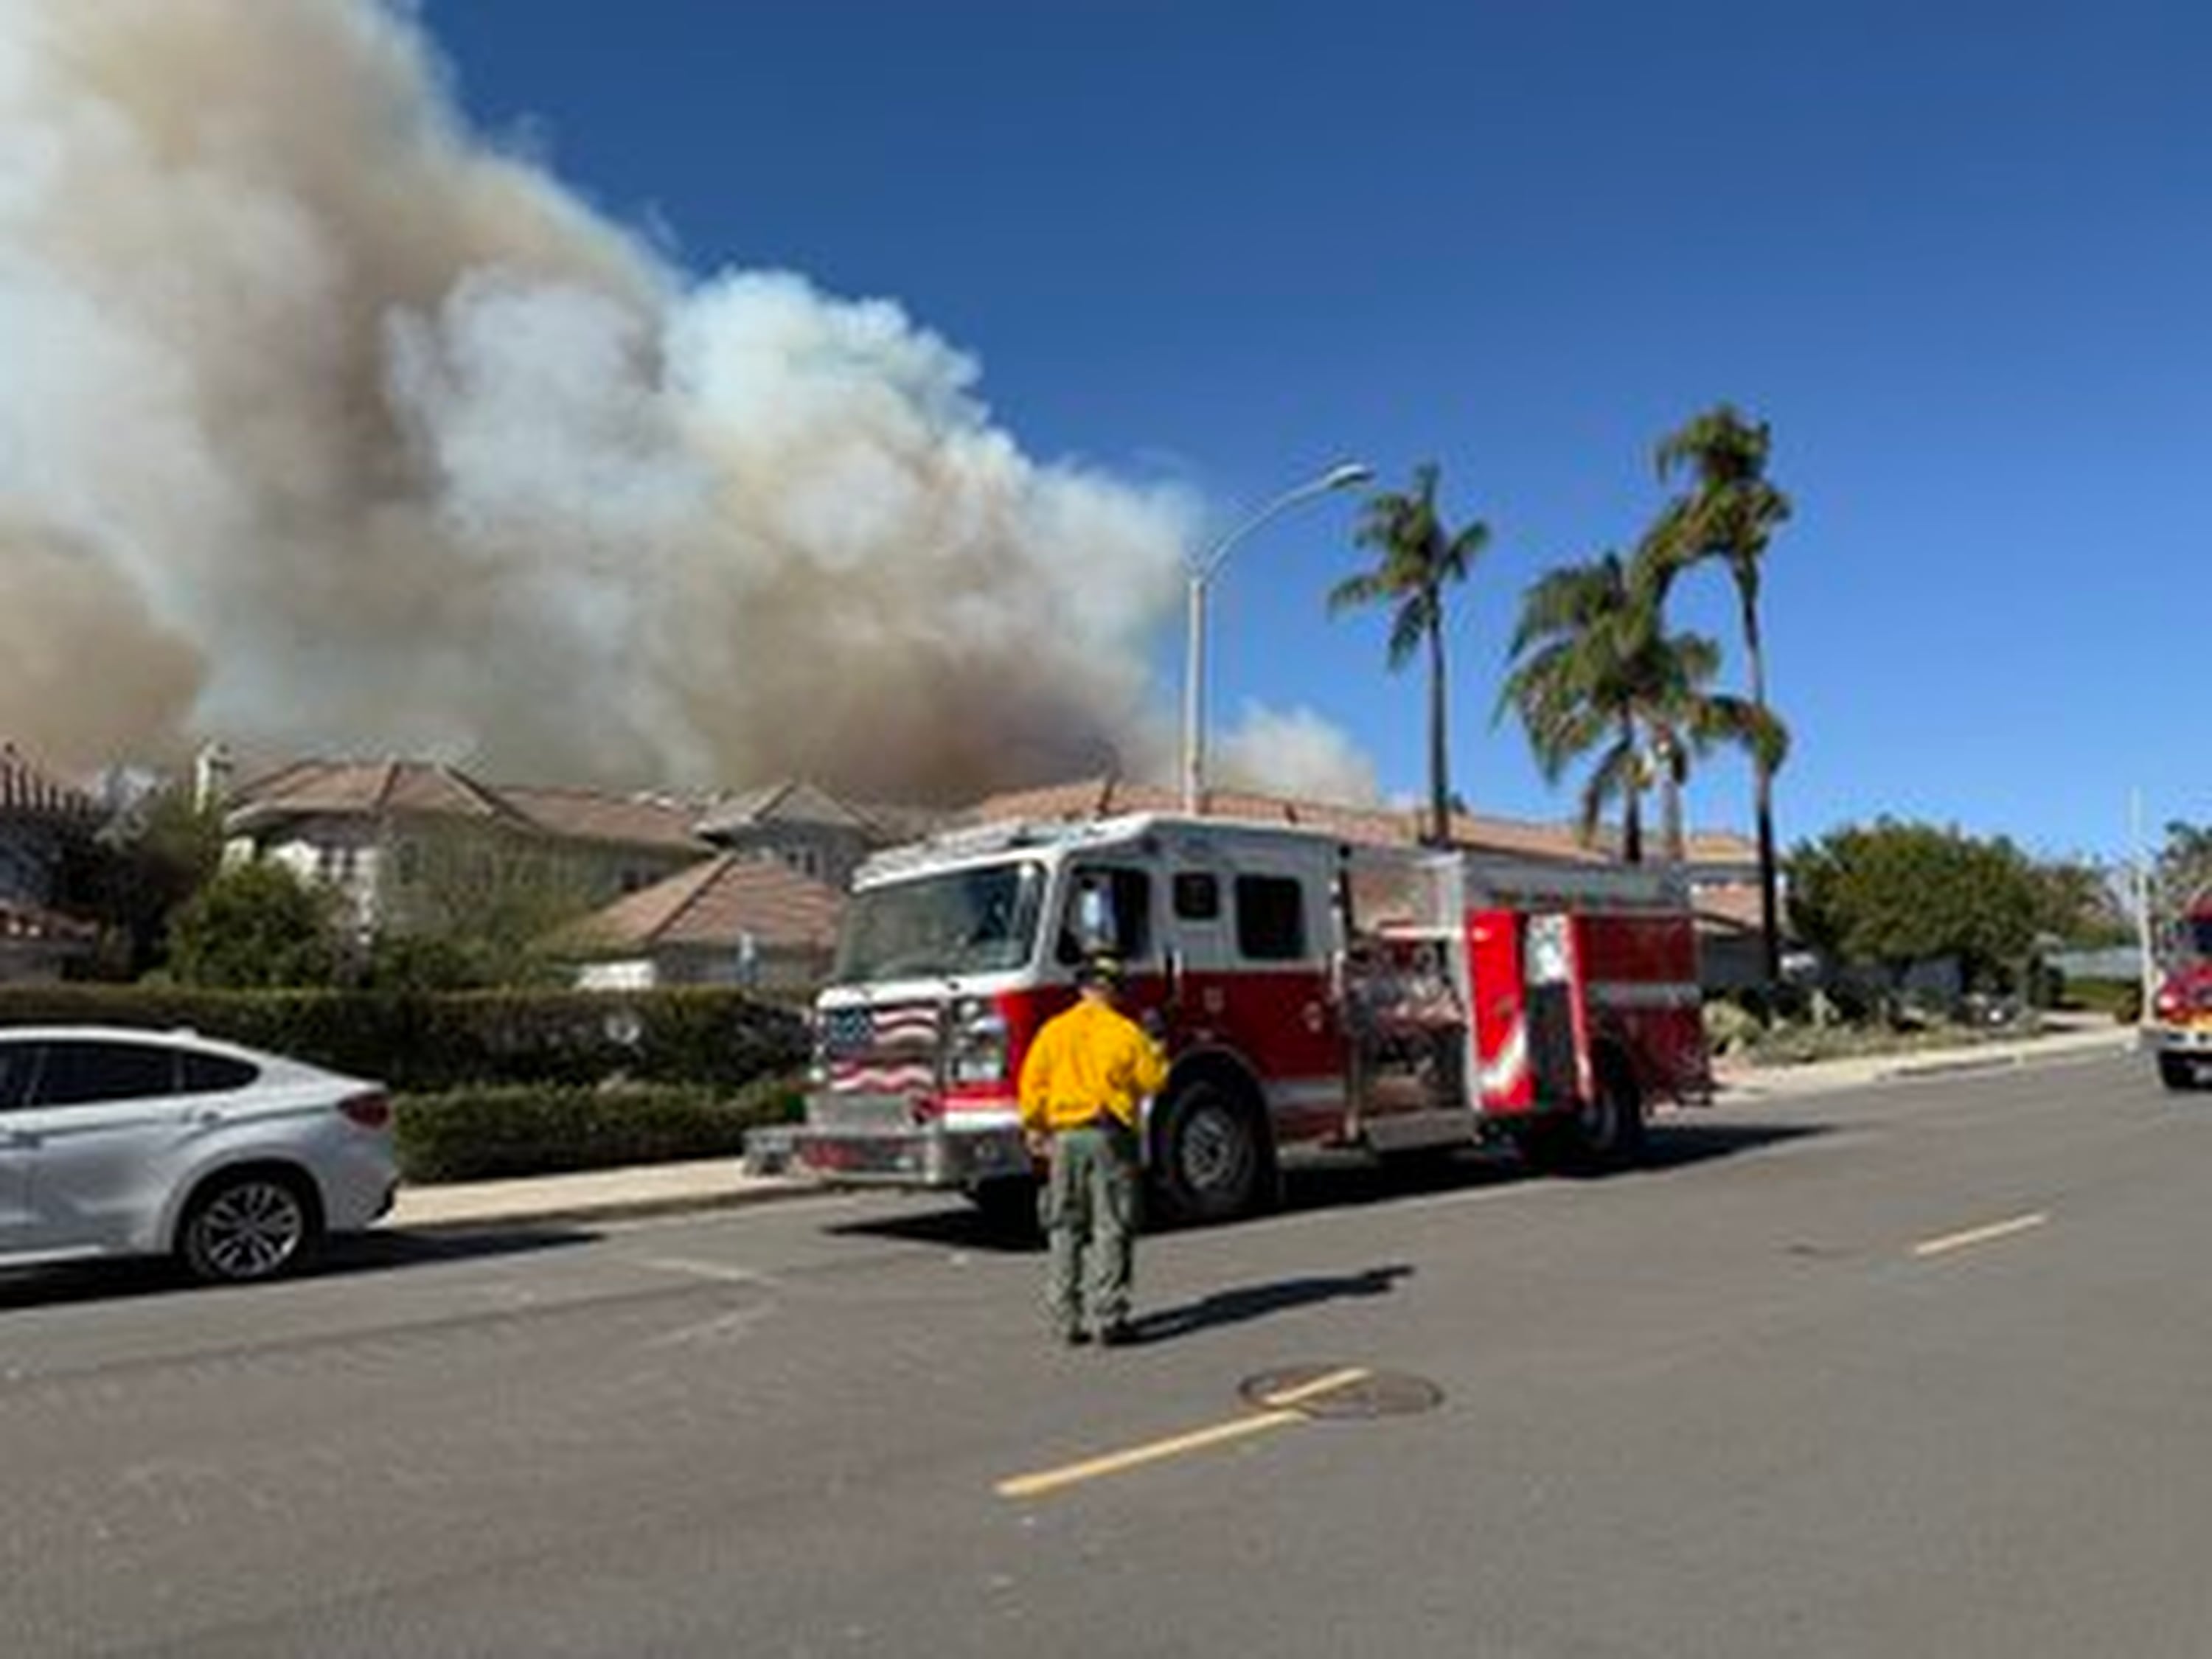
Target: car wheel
(2176, 1073)
(247, 1227)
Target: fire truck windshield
(977, 920)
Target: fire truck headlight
(979, 1044)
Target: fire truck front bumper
(2193, 1041)
(939, 1154)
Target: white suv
(123, 1142)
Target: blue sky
(1955, 254)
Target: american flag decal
(881, 1051)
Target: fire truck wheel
(2176, 1073)
(1606, 1133)
(1213, 1158)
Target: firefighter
(1083, 1084)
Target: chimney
(211, 776)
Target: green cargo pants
(1089, 1211)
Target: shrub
(1730, 1027)
(422, 1044)
(2120, 998)
(480, 1134)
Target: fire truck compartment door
(1554, 1048)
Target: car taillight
(371, 1111)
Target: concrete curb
(1828, 1076)
(418, 1209)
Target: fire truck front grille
(859, 1111)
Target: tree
(472, 909)
(2182, 871)
(2082, 905)
(1417, 557)
(256, 926)
(1894, 894)
(1730, 514)
(131, 878)
(1594, 668)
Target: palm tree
(1419, 556)
(1730, 514)
(1595, 669)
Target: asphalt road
(1920, 1369)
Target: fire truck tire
(1604, 1134)
(2176, 1073)
(1213, 1161)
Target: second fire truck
(1312, 993)
(2178, 1028)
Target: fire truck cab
(1309, 991)
(2177, 1027)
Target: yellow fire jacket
(1086, 1061)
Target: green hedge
(483, 1134)
(2120, 998)
(422, 1044)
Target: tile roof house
(1372, 825)
(403, 840)
(40, 819)
(812, 831)
(734, 918)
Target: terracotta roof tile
(640, 820)
(321, 788)
(1375, 826)
(716, 902)
(357, 788)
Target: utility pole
(2142, 903)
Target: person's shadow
(1258, 1301)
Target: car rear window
(211, 1074)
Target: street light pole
(1201, 573)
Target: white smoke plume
(1295, 752)
(328, 426)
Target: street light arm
(1343, 477)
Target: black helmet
(1099, 968)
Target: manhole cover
(1340, 1391)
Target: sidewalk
(722, 1182)
(2066, 1036)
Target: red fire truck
(2179, 1026)
(1312, 993)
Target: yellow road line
(1282, 1410)
(1327, 1383)
(1949, 1242)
